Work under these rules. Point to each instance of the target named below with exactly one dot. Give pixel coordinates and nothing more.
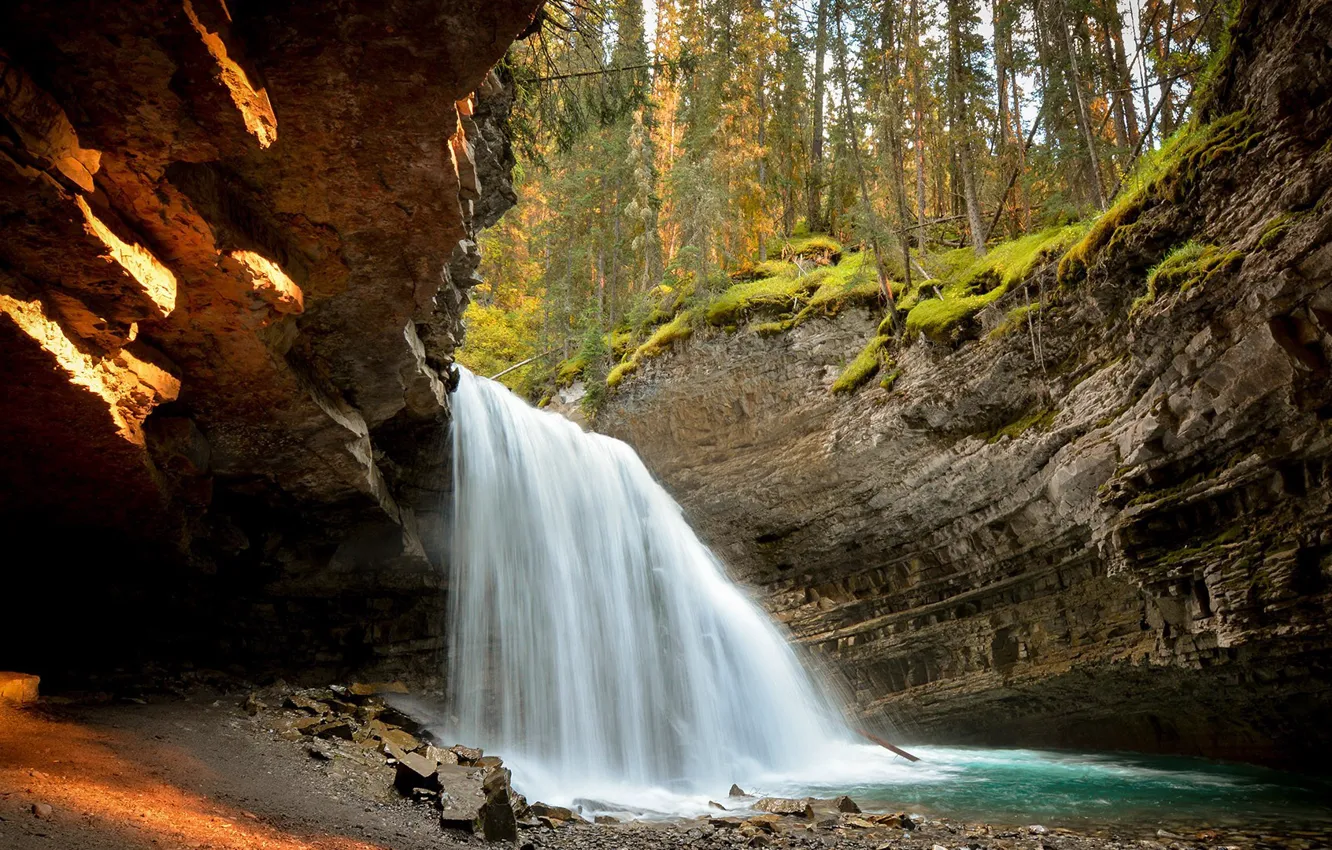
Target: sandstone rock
(556, 813)
(366, 689)
(477, 800)
(18, 687)
(466, 755)
(846, 804)
(394, 737)
(782, 806)
(415, 771)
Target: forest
(681, 160)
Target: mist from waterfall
(593, 638)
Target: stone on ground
(18, 687)
(846, 805)
(783, 806)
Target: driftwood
(887, 746)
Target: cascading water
(596, 644)
(593, 636)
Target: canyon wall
(1107, 528)
(238, 239)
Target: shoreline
(215, 770)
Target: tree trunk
(918, 98)
(1084, 117)
(1125, 78)
(961, 132)
(814, 205)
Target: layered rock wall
(238, 240)
(1110, 528)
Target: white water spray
(594, 640)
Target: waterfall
(594, 640)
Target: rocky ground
(283, 769)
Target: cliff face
(237, 244)
(1110, 528)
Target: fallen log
(887, 746)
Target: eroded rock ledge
(238, 240)
(1117, 535)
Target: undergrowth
(866, 365)
(969, 284)
(1186, 266)
(1164, 175)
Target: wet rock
(559, 813)
(366, 689)
(477, 800)
(606, 819)
(846, 805)
(783, 806)
(415, 771)
(393, 737)
(496, 820)
(737, 791)
(308, 725)
(1037, 829)
(466, 755)
(766, 823)
(713, 804)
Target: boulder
(558, 813)
(466, 755)
(783, 806)
(415, 771)
(476, 800)
(846, 805)
(737, 791)
(18, 687)
(367, 689)
(713, 804)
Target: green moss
(620, 342)
(772, 328)
(570, 370)
(937, 318)
(890, 379)
(681, 327)
(817, 247)
(1164, 175)
(1275, 229)
(1015, 320)
(1040, 420)
(781, 293)
(793, 297)
(865, 366)
(621, 370)
(1186, 266)
(971, 285)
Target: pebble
(42, 810)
